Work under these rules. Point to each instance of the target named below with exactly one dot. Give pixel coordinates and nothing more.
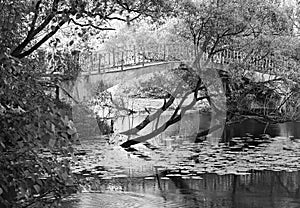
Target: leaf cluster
(34, 135)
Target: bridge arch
(86, 83)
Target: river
(174, 171)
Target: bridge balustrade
(118, 59)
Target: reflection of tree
(264, 184)
(279, 181)
(189, 195)
(233, 193)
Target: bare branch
(120, 108)
(174, 118)
(36, 13)
(154, 116)
(92, 25)
(136, 17)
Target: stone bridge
(119, 66)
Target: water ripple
(122, 199)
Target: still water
(171, 177)
(259, 190)
(197, 121)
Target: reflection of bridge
(118, 66)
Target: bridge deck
(125, 68)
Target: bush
(34, 137)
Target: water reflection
(196, 121)
(288, 129)
(258, 190)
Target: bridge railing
(135, 55)
(116, 60)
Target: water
(181, 173)
(196, 121)
(259, 190)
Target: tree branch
(17, 51)
(174, 118)
(89, 24)
(33, 22)
(40, 42)
(136, 17)
(154, 116)
(120, 108)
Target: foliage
(35, 135)
(259, 29)
(143, 33)
(156, 86)
(36, 22)
(163, 84)
(61, 66)
(31, 122)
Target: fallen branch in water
(174, 118)
(154, 116)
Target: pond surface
(196, 121)
(171, 170)
(259, 190)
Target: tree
(49, 17)
(36, 134)
(257, 30)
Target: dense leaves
(36, 130)
(33, 131)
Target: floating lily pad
(196, 177)
(149, 178)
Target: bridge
(120, 65)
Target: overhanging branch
(91, 25)
(40, 42)
(154, 116)
(33, 32)
(174, 118)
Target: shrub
(34, 137)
